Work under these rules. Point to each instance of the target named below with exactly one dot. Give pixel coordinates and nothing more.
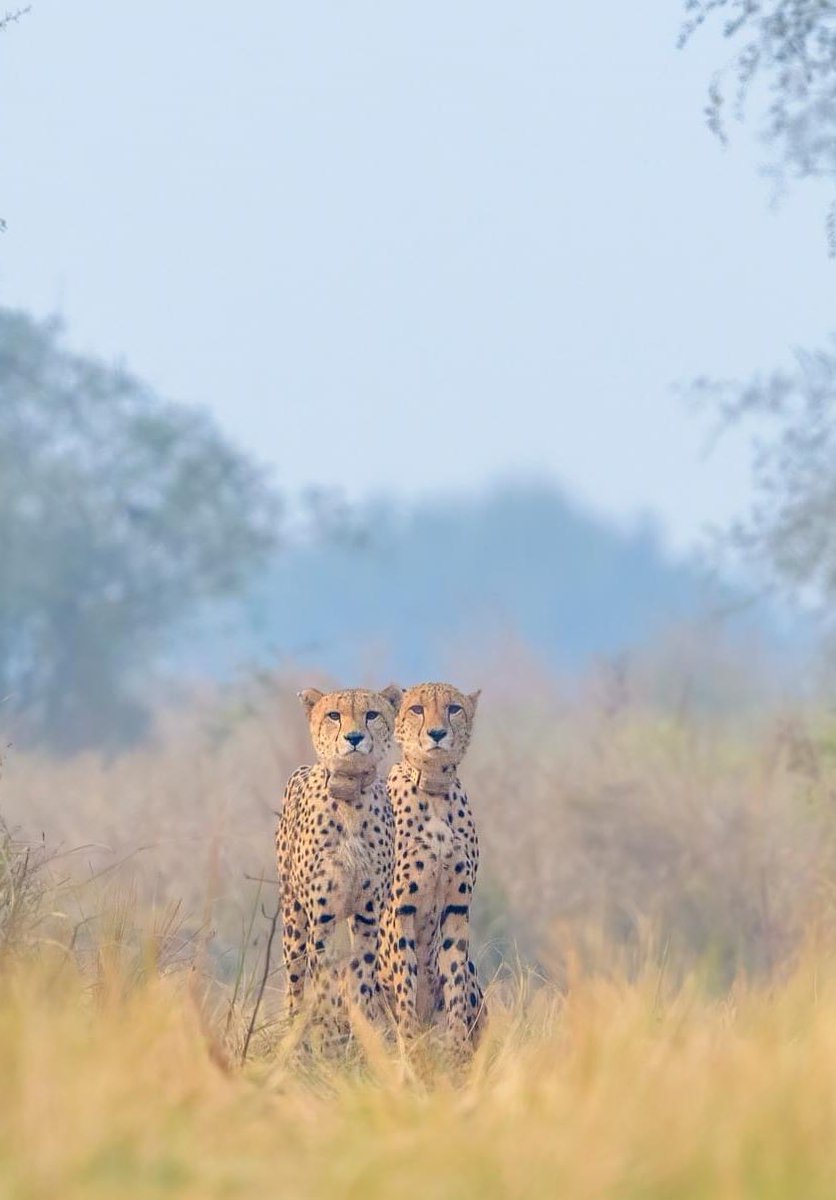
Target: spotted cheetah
(425, 964)
(334, 847)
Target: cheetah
(334, 846)
(426, 972)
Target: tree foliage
(785, 50)
(119, 512)
(789, 48)
(790, 529)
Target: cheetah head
(351, 730)
(434, 725)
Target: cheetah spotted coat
(426, 971)
(335, 857)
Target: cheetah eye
(453, 709)
(371, 715)
(417, 709)
(334, 716)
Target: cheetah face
(351, 730)
(434, 724)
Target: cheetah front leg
(324, 963)
(327, 903)
(460, 989)
(294, 949)
(403, 985)
(361, 979)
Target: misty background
(357, 344)
(432, 277)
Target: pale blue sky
(408, 246)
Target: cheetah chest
(434, 852)
(339, 849)
(352, 853)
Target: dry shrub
(24, 882)
(606, 821)
(678, 839)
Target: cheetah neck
(349, 787)
(434, 781)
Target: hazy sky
(408, 246)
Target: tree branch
(13, 16)
(274, 919)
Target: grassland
(656, 915)
(611, 1088)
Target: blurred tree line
(119, 512)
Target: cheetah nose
(354, 738)
(437, 735)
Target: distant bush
(609, 823)
(119, 511)
(22, 890)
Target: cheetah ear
(394, 695)
(474, 700)
(310, 697)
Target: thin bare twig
(274, 920)
(11, 17)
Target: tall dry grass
(656, 909)
(605, 820)
(611, 1088)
